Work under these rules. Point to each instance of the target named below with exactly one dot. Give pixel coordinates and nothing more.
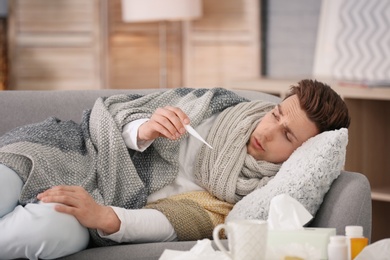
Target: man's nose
(272, 130)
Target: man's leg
(36, 230)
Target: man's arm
(141, 226)
(117, 224)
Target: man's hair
(322, 105)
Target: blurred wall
(3, 8)
(289, 31)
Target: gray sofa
(347, 203)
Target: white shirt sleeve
(130, 133)
(141, 226)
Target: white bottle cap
(354, 231)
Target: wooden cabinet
(368, 150)
(72, 44)
(55, 44)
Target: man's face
(280, 132)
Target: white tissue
(380, 250)
(286, 213)
(201, 251)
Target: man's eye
(276, 116)
(287, 136)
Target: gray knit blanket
(93, 154)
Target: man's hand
(166, 122)
(74, 200)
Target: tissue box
(315, 237)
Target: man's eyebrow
(288, 129)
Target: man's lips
(257, 144)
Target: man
(254, 136)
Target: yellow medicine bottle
(355, 240)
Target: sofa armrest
(348, 202)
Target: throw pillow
(306, 176)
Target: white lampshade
(158, 10)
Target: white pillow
(306, 176)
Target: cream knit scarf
(227, 171)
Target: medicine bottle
(337, 248)
(355, 240)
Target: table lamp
(161, 11)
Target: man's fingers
(182, 116)
(68, 195)
(165, 127)
(65, 187)
(66, 209)
(61, 198)
(171, 119)
(165, 122)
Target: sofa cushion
(305, 176)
